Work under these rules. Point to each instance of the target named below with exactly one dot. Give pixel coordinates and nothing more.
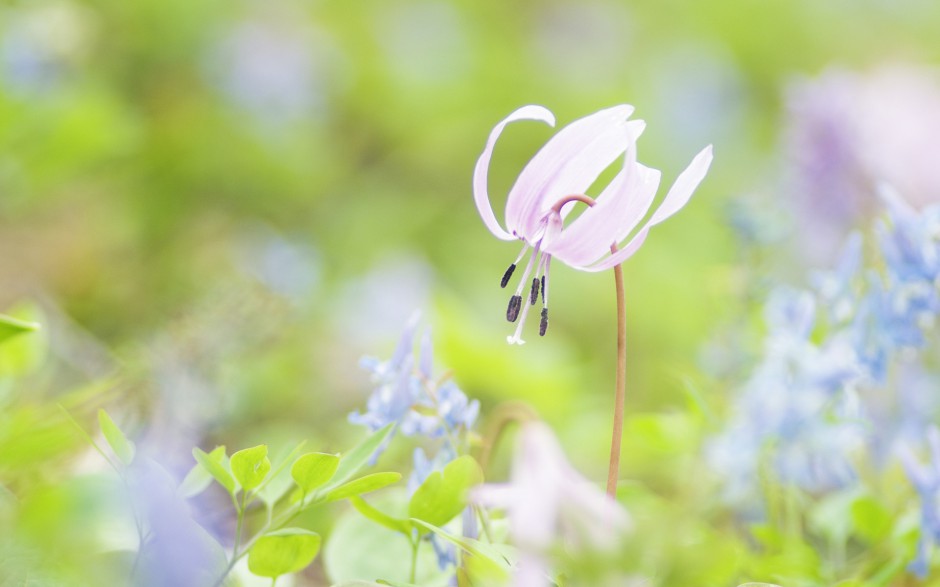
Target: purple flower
(559, 174)
(549, 503)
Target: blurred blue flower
(926, 481)
(797, 411)
(837, 288)
(407, 396)
(394, 393)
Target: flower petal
(622, 255)
(677, 197)
(682, 189)
(480, 172)
(618, 211)
(568, 164)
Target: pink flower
(548, 502)
(567, 166)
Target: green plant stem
(620, 391)
(239, 524)
(414, 559)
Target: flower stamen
(543, 323)
(534, 294)
(512, 267)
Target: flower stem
(414, 559)
(505, 414)
(613, 472)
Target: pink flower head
(558, 175)
(549, 503)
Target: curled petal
(480, 172)
(682, 189)
(619, 210)
(677, 197)
(622, 255)
(568, 164)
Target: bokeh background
(215, 208)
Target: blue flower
(796, 412)
(407, 396)
(837, 288)
(926, 481)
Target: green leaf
(396, 524)
(354, 460)
(283, 551)
(21, 355)
(872, 520)
(122, 447)
(276, 485)
(395, 583)
(486, 562)
(250, 466)
(198, 478)
(363, 485)
(443, 494)
(213, 465)
(10, 327)
(313, 470)
(359, 548)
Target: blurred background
(215, 208)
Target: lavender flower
(560, 173)
(549, 502)
(843, 142)
(926, 481)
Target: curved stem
(506, 413)
(620, 391)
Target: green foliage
(10, 327)
(312, 470)
(122, 447)
(443, 494)
(366, 484)
(250, 466)
(213, 463)
(23, 343)
(198, 478)
(398, 525)
(357, 458)
(283, 551)
(484, 564)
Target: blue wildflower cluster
(409, 397)
(814, 403)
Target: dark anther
(543, 289)
(543, 325)
(534, 295)
(507, 276)
(512, 312)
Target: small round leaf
(283, 551)
(314, 469)
(250, 466)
